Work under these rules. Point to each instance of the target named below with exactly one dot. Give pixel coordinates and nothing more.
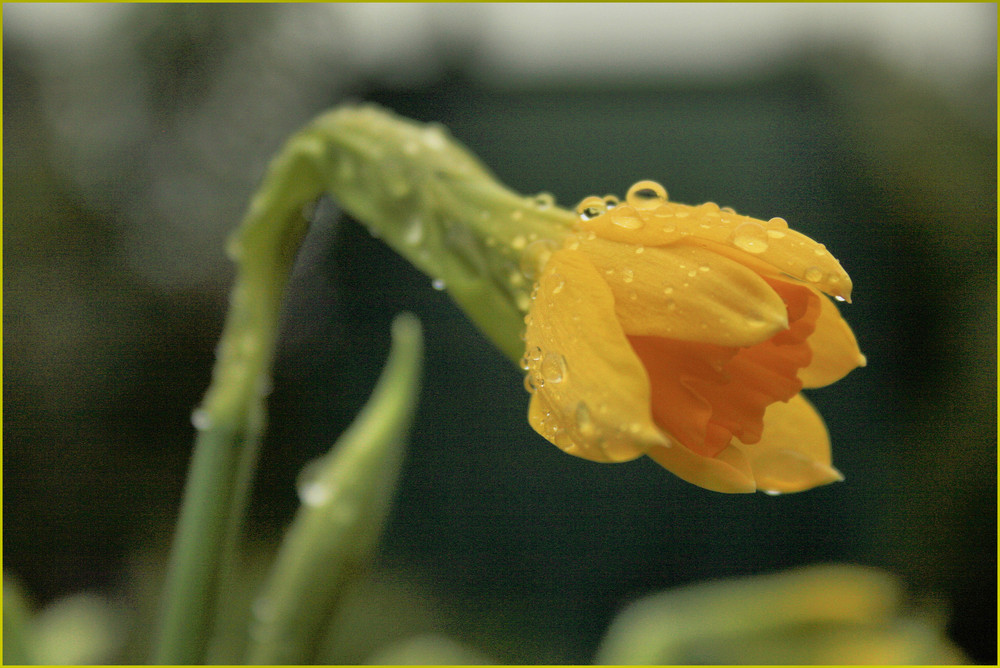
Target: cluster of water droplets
(543, 368)
(642, 198)
(647, 208)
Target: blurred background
(135, 134)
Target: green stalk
(230, 420)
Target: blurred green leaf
(822, 614)
(429, 650)
(17, 638)
(77, 630)
(346, 495)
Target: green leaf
(78, 629)
(430, 649)
(346, 495)
(17, 636)
(668, 628)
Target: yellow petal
(793, 454)
(592, 394)
(727, 472)
(768, 242)
(835, 350)
(797, 257)
(687, 293)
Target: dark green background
(101, 368)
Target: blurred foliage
(816, 615)
(125, 170)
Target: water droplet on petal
(591, 207)
(626, 216)
(751, 238)
(646, 195)
(628, 275)
(535, 256)
(611, 201)
(771, 492)
(553, 367)
(584, 423)
(840, 298)
(814, 274)
(438, 284)
(778, 223)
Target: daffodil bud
(645, 327)
(686, 333)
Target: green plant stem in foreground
(346, 496)
(230, 420)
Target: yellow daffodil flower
(686, 333)
(653, 328)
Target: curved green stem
(428, 198)
(230, 420)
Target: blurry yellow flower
(686, 333)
